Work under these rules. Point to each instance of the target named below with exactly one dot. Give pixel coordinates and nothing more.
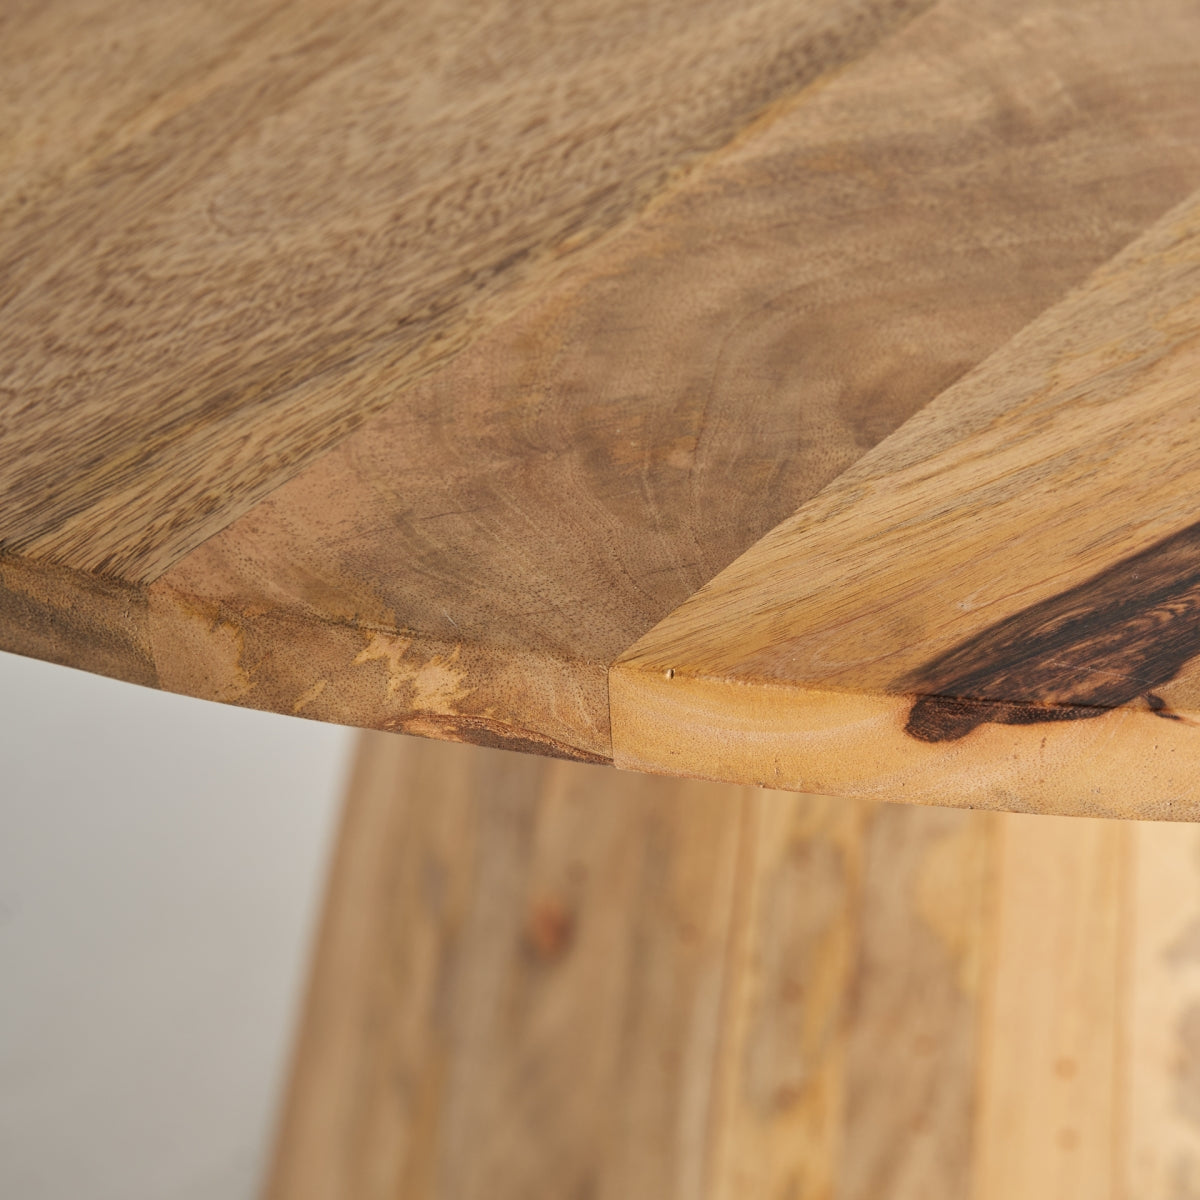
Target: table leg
(537, 978)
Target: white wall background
(161, 863)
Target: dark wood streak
(483, 731)
(1090, 649)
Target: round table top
(801, 395)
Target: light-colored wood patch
(1161, 1030)
(1049, 1116)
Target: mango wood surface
(541, 979)
(1002, 601)
(402, 365)
(229, 232)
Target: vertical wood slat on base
(518, 984)
(1048, 1120)
(1161, 1035)
(538, 978)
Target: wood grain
(471, 562)
(852, 1034)
(1049, 1118)
(1000, 600)
(915, 1046)
(518, 986)
(1160, 1035)
(779, 1072)
(402, 366)
(215, 263)
(542, 979)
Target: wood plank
(779, 1075)
(995, 608)
(541, 979)
(851, 1039)
(1050, 1118)
(1160, 1035)
(915, 1044)
(518, 986)
(471, 562)
(229, 232)
(535, 977)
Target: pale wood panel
(1049, 1116)
(543, 979)
(518, 986)
(914, 1042)
(1160, 1048)
(850, 1053)
(228, 233)
(471, 562)
(781, 1066)
(1001, 601)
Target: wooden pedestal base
(539, 979)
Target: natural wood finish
(216, 267)
(1160, 1033)
(470, 562)
(912, 1007)
(518, 984)
(229, 232)
(997, 607)
(403, 365)
(1050, 1114)
(542, 979)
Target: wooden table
(784, 393)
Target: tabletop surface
(791, 393)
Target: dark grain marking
(1090, 649)
(484, 731)
(549, 930)
(1158, 706)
